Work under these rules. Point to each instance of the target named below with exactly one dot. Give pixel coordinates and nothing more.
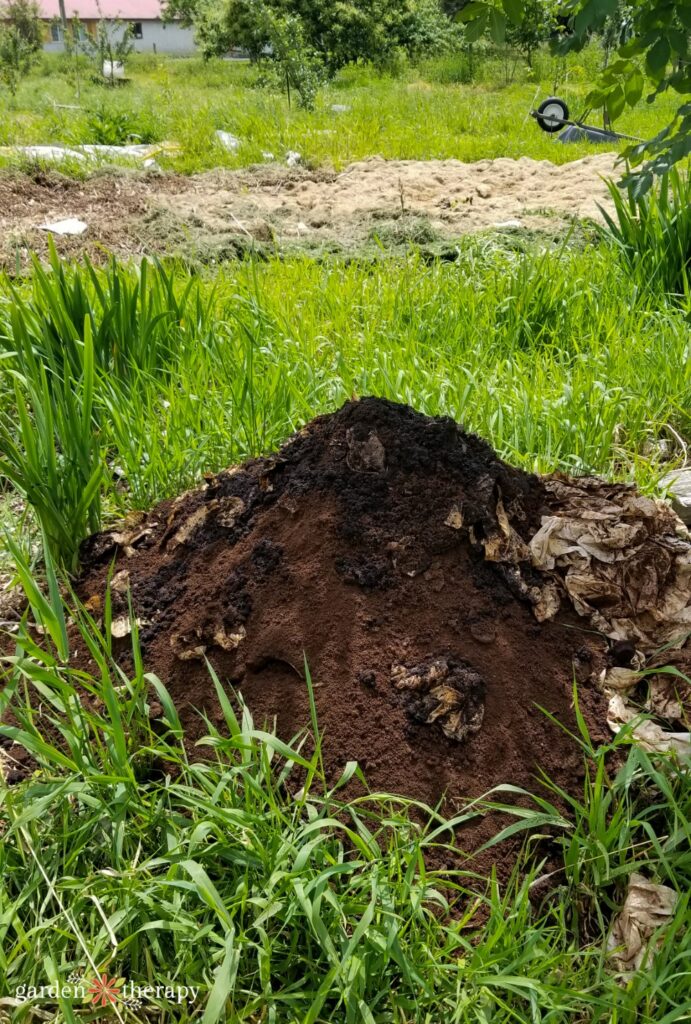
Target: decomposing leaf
(191, 524)
(667, 697)
(649, 735)
(229, 509)
(454, 519)
(444, 691)
(620, 558)
(647, 908)
(545, 601)
(122, 626)
(129, 539)
(368, 456)
(188, 646)
(229, 641)
(120, 582)
(620, 680)
(504, 544)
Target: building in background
(150, 34)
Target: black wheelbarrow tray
(553, 116)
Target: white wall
(165, 38)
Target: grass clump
(405, 230)
(652, 234)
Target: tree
(111, 45)
(299, 66)
(20, 41)
(25, 17)
(616, 30)
(337, 32)
(652, 47)
(537, 25)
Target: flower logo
(104, 991)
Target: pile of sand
(371, 196)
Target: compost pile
(437, 594)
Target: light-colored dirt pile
(457, 198)
(214, 214)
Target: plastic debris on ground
(229, 141)
(138, 152)
(69, 226)
(584, 133)
(51, 154)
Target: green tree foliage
(337, 33)
(652, 56)
(650, 39)
(537, 25)
(20, 40)
(617, 29)
(296, 65)
(25, 17)
(490, 17)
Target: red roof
(88, 10)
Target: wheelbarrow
(553, 116)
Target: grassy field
(265, 898)
(185, 101)
(581, 377)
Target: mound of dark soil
(359, 547)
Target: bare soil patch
(222, 214)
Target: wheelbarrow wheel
(551, 114)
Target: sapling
(20, 41)
(111, 46)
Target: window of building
(136, 29)
(55, 32)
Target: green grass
(561, 359)
(278, 896)
(422, 114)
(653, 233)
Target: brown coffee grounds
(357, 549)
